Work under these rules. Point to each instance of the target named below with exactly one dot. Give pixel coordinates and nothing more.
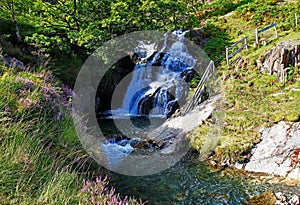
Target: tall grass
(252, 100)
(41, 158)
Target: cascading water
(157, 87)
(155, 90)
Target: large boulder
(278, 152)
(280, 59)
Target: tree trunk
(19, 38)
(13, 17)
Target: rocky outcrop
(110, 81)
(280, 59)
(278, 152)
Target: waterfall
(158, 83)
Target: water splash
(115, 151)
(158, 82)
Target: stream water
(189, 181)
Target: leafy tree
(91, 22)
(14, 10)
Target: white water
(149, 80)
(116, 151)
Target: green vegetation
(41, 158)
(252, 100)
(68, 31)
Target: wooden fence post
(256, 37)
(227, 58)
(246, 42)
(276, 33)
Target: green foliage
(262, 13)
(290, 73)
(41, 158)
(90, 23)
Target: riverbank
(260, 110)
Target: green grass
(252, 100)
(30, 173)
(41, 158)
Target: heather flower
(56, 100)
(67, 91)
(28, 84)
(58, 116)
(47, 76)
(27, 102)
(96, 192)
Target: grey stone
(12, 62)
(273, 154)
(276, 60)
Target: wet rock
(110, 80)
(160, 98)
(188, 75)
(134, 142)
(280, 58)
(141, 144)
(275, 154)
(161, 144)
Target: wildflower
(28, 84)
(27, 102)
(6, 109)
(58, 116)
(67, 91)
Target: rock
(238, 166)
(188, 75)
(282, 198)
(12, 62)
(279, 58)
(135, 142)
(198, 36)
(294, 200)
(110, 80)
(150, 101)
(275, 153)
(142, 145)
(294, 174)
(161, 144)
(278, 198)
